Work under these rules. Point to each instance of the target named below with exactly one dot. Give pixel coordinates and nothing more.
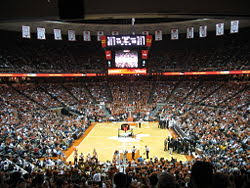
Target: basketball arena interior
(140, 94)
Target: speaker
(71, 9)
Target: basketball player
(75, 156)
(116, 156)
(81, 160)
(171, 147)
(133, 153)
(166, 144)
(125, 159)
(95, 153)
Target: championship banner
(41, 33)
(57, 34)
(99, 34)
(203, 31)
(158, 35)
(108, 54)
(26, 32)
(174, 34)
(234, 26)
(144, 54)
(86, 36)
(145, 32)
(149, 40)
(114, 33)
(104, 41)
(219, 29)
(71, 35)
(190, 32)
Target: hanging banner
(144, 54)
(104, 41)
(71, 35)
(234, 26)
(158, 35)
(41, 33)
(190, 32)
(57, 34)
(219, 29)
(86, 36)
(114, 33)
(133, 21)
(149, 40)
(26, 32)
(174, 34)
(108, 54)
(203, 31)
(99, 34)
(145, 32)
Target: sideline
(69, 151)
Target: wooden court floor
(104, 138)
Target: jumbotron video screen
(126, 59)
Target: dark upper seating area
(230, 52)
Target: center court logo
(129, 139)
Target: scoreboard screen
(126, 59)
(126, 51)
(129, 40)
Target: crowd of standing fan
(88, 172)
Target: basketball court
(104, 138)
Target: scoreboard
(126, 51)
(134, 40)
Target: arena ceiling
(114, 15)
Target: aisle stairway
(71, 94)
(158, 108)
(26, 96)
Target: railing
(179, 131)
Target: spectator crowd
(33, 126)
